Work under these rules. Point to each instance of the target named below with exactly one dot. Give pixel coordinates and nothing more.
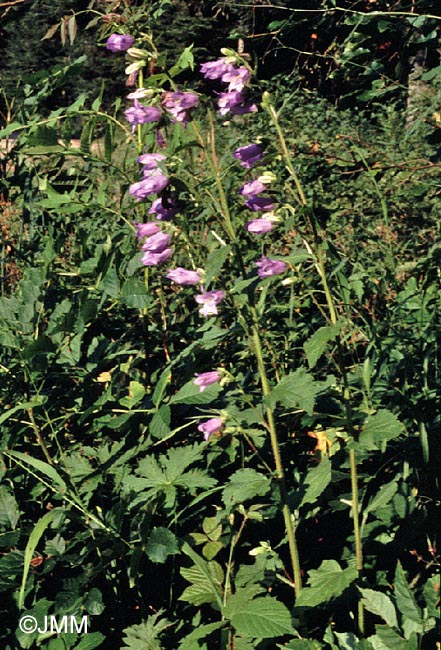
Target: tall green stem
(320, 265)
(280, 474)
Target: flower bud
(138, 53)
(134, 67)
(267, 177)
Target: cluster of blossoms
(155, 242)
(248, 156)
(233, 100)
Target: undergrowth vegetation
(219, 412)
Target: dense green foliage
(112, 504)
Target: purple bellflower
(248, 155)
(153, 259)
(119, 42)
(146, 229)
(209, 301)
(153, 183)
(216, 69)
(140, 114)
(210, 426)
(259, 226)
(268, 267)
(150, 161)
(157, 242)
(183, 276)
(164, 207)
(178, 104)
(236, 78)
(253, 188)
(259, 203)
(205, 379)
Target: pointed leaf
(379, 428)
(379, 604)
(263, 618)
(317, 480)
(404, 598)
(243, 485)
(317, 343)
(9, 513)
(326, 582)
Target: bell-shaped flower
(153, 183)
(164, 207)
(209, 301)
(259, 203)
(178, 104)
(119, 42)
(140, 114)
(267, 267)
(183, 276)
(248, 155)
(146, 229)
(216, 69)
(260, 226)
(205, 379)
(213, 425)
(153, 259)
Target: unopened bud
(138, 53)
(267, 177)
(134, 67)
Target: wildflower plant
(228, 295)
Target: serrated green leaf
(210, 575)
(245, 484)
(297, 390)
(379, 604)
(134, 294)
(191, 394)
(145, 636)
(404, 598)
(91, 641)
(326, 582)
(9, 513)
(202, 632)
(263, 618)
(387, 639)
(432, 596)
(379, 428)
(317, 343)
(160, 424)
(160, 544)
(215, 261)
(382, 498)
(316, 481)
(302, 644)
(94, 602)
